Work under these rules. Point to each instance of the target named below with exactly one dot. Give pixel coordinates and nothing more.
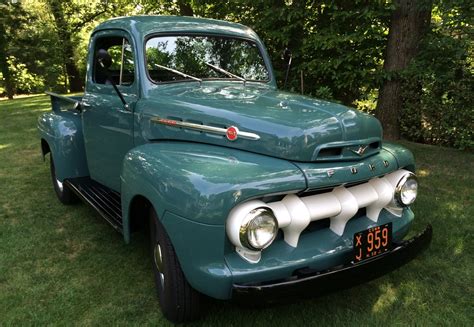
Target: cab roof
(142, 26)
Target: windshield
(204, 57)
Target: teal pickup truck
(247, 192)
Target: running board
(105, 201)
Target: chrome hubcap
(159, 263)
(60, 184)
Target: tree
(4, 55)
(185, 8)
(438, 90)
(65, 35)
(337, 44)
(70, 17)
(409, 23)
(12, 17)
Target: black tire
(64, 194)
(178, 300)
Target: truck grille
(352, 151)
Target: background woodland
(408, 62)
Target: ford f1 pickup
(247, 191)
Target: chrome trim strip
(203, 128)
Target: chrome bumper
(315, 283)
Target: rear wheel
(64, 194)
(178, 300)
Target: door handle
(85, 106)
(130, 106)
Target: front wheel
(64, 194)
(178, 300)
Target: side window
(122, 69)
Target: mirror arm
(125, 105)
(287, 52)
(109, 78)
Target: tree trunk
(9, 87)
(408, 25)
(65, 36)
(75, 80)
(185, 8)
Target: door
(107, 122)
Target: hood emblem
(232, 133)
(360, 151)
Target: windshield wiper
(179, 73)
(222, 70)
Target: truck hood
(283, 125)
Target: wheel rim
(59, 184)
(159, 263)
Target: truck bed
(61, 102)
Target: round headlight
(258, 229)
(406, 190)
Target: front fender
(63, 133)
(203, 182)
(192, 188)
(403, 156)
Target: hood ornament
(360, 151)
(232, 133)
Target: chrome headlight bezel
(398, 196)
(246, 225)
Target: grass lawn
(65, 265)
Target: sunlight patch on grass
(386, 299)
(423, 172)
(459, 248)
(453, 206)
(21, 96)
(4, 146)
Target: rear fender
(61, 134)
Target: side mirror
(287, 56)
(103, 58)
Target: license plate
(372, 242)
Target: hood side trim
(232, 132)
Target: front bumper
(307, 282)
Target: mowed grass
(64, 264)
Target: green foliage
(337, 45)
(25, 81)
(31, 51)
(439, 85)
(12, 22)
